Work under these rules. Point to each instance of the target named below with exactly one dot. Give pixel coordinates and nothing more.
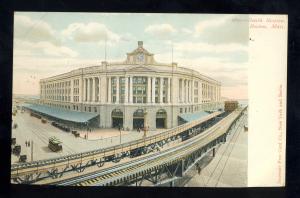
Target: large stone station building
(134, 93)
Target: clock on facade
(140, 57)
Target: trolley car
(54, 144)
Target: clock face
(140, 57)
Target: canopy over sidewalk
(63, 114)
(188, 117)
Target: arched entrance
(138, 119)
(117, 118)
(161, 118)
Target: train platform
(32, 129)
(229, 166)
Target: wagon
(17, 150)
(23, 158)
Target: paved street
(31, 128)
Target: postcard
(149, 99)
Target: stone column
(161, 90)
(93, 89)
(185, 91)
(189, 91)
(175, 90)
(126, 90)
(214, 93)
(169, 91)
(80, 90)
(130, 89)
(117, 89)
(200, 96)
(103, 89)
(72, 90)
(148, 89)
(89, 89)
(99, 88)
(192, 94)
(182, 91)
(84, 89)
(109, 90)
(210, 92)
(153, 90)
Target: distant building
(133, 93)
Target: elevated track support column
(180, 170)
(172, 183)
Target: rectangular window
(139, 100)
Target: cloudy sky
(46, 44)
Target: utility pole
(105, 48)
(145, 123)
(172, 52)
(120, 135)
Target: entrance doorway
(161, 117)
(117, 118)
(138, 119)
(138, 123)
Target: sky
(47, 44)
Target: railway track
(60, 164)
(118, 174)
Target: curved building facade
(135, 93)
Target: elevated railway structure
(162, 167)
(32, 172)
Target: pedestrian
(26, 143)
(199, 169)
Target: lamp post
(86, 123)
(31, 150)
(120, 134)
(145, 122)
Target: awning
(63, 114)
(188, 117)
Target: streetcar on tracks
(54, 144)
